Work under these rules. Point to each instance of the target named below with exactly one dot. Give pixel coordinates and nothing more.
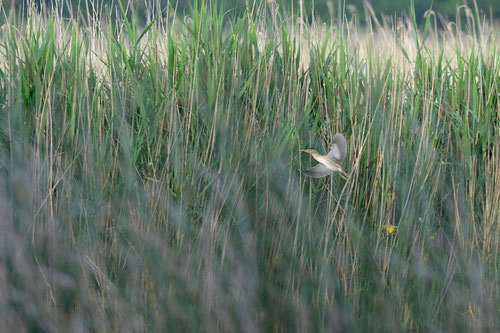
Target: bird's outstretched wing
(338, 148)
(318, 171)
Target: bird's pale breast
(327, 162)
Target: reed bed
(149, 171)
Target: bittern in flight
(331, 162)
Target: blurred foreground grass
(149, 176)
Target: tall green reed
(150, 173)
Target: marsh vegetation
(149, 172)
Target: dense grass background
(312, 10)
(149, 174)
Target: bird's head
(310, 151)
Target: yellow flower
(389, 228)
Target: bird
(331, 162)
